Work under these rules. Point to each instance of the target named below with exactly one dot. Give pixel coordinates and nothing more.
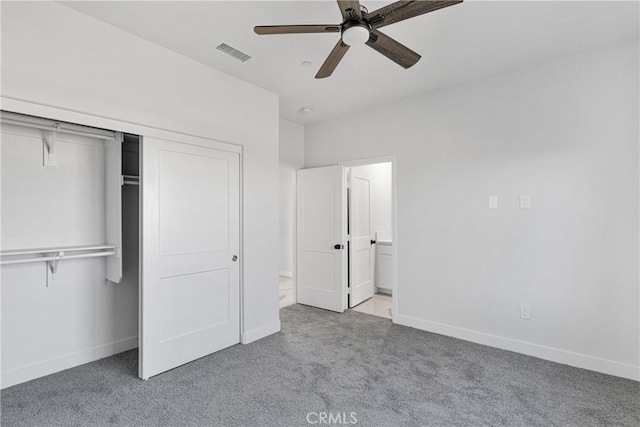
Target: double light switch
(525, 202)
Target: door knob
(234, 258)
(373, 242)
(338, 246)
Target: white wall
(58, 60)
(291, 143)
(287, 219)
(564, 132)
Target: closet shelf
(53, 128)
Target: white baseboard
(58, 364)
(286, 273)
(548, 353)
(261, 332)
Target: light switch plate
(525, 202)
(493, 202)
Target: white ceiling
(458, 44)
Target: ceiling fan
(359, 26)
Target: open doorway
(370, 243)
(345, 237)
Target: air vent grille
(233, 52)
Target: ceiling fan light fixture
(356, 35)
(360, 27)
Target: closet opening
(70, 244)
(115, 240)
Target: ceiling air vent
(232, 52)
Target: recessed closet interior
(69, 284)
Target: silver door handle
(234, 258)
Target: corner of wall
(291, 143)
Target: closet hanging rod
(56, 258)
(55, 249)
(55, 254)
(56, 126)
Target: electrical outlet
(525, 312)
(525, 202)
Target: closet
(113, 240)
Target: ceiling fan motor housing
(355, 33)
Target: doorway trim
(294, 169)
(391, 158)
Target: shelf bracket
(52, 268)
(49, 145)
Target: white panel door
(321, 235)
(360, 253)
(190, 290)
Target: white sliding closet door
(190, 290)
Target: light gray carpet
(388, 375)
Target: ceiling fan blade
(332, 60)
(350, 10)
(296, 29)
(395, 51)
(401, 10)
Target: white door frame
(295, 228)
(394, 217)
(87, 119)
